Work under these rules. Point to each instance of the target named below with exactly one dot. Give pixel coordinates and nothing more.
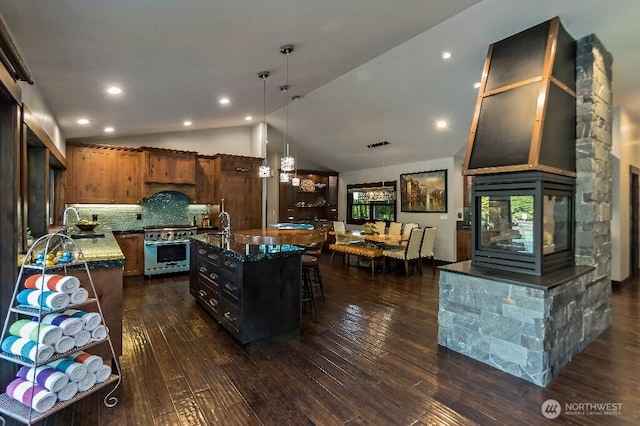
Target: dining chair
(395, 228)
(428, 244)
(406, 229)
(381, 226)
(409, 252)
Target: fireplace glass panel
(556, 220)
(507, 223)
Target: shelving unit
(14, 409)
(315, 199)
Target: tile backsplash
(163, 208)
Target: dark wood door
(635, 222)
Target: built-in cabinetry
(132, 247)
(315, 199)
(236, 180)
(204, 180)
(102, 175)
(256, 298)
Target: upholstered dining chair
(395, 228)
(409, 252)
(381, 226)
(406, 229)
(428, 244)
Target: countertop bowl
(87, 226)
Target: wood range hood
(168, 170)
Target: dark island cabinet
(256, 301)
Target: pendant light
(264, 171)
(287, 162)
(295, 180)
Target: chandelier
(264, 171)
(287, 162)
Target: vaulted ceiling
(366, 70)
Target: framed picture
(424, 192)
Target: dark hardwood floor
(372, 359)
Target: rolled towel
(100, 333)
(53, 282)
(36, 352)
(93, 362)
(68, 391)
(79, 296)
(69, 325)
(45, 299)
(75, 370)
(103, 374)
(91, 319)
(32, 330)
(64, 344)
(87, 382)
(31, 395)
(45, 377)
(81, 338)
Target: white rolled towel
(45, 299)
(32, 396)
(53, 282)
(79, 296)
(32, 330)
(91, 319)
(64, 344)
(82, 338)
(36, 352)
(68, 392)
(100, 333)
(45, 377)
(75, 370)
(103, 374)
(93, 362)
(69, 325)
(87, 382)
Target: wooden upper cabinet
(97, 174)
(169, 166)
(204, 180)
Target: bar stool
(309, 269)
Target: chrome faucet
(64, 218)
(225, 223)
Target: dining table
(392, 239)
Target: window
(371, 202)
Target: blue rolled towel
(36, 352)
(45, 299)
(69, 325)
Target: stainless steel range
(166, 248)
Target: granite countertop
(246, 252)
(99, 252)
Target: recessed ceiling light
(82, 121)
(187, 123)
(476, 85)
(109, 129)
(224, 101)
(114, 90)
(446, 55)
(248, 118)
(441, 124)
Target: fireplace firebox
(523, 221)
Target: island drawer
(209, 297)
(231, 266)
(231, 317)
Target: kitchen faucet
(64, 218)
(225, 221)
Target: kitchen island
(253, 292)
(105, 262)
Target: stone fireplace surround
(531, 327)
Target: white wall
(625, 153)
(33, 100)
(229, 140)
(445, 248)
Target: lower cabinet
(256, 301)
(132, 246)
(463, 245)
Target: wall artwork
(424, 192)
